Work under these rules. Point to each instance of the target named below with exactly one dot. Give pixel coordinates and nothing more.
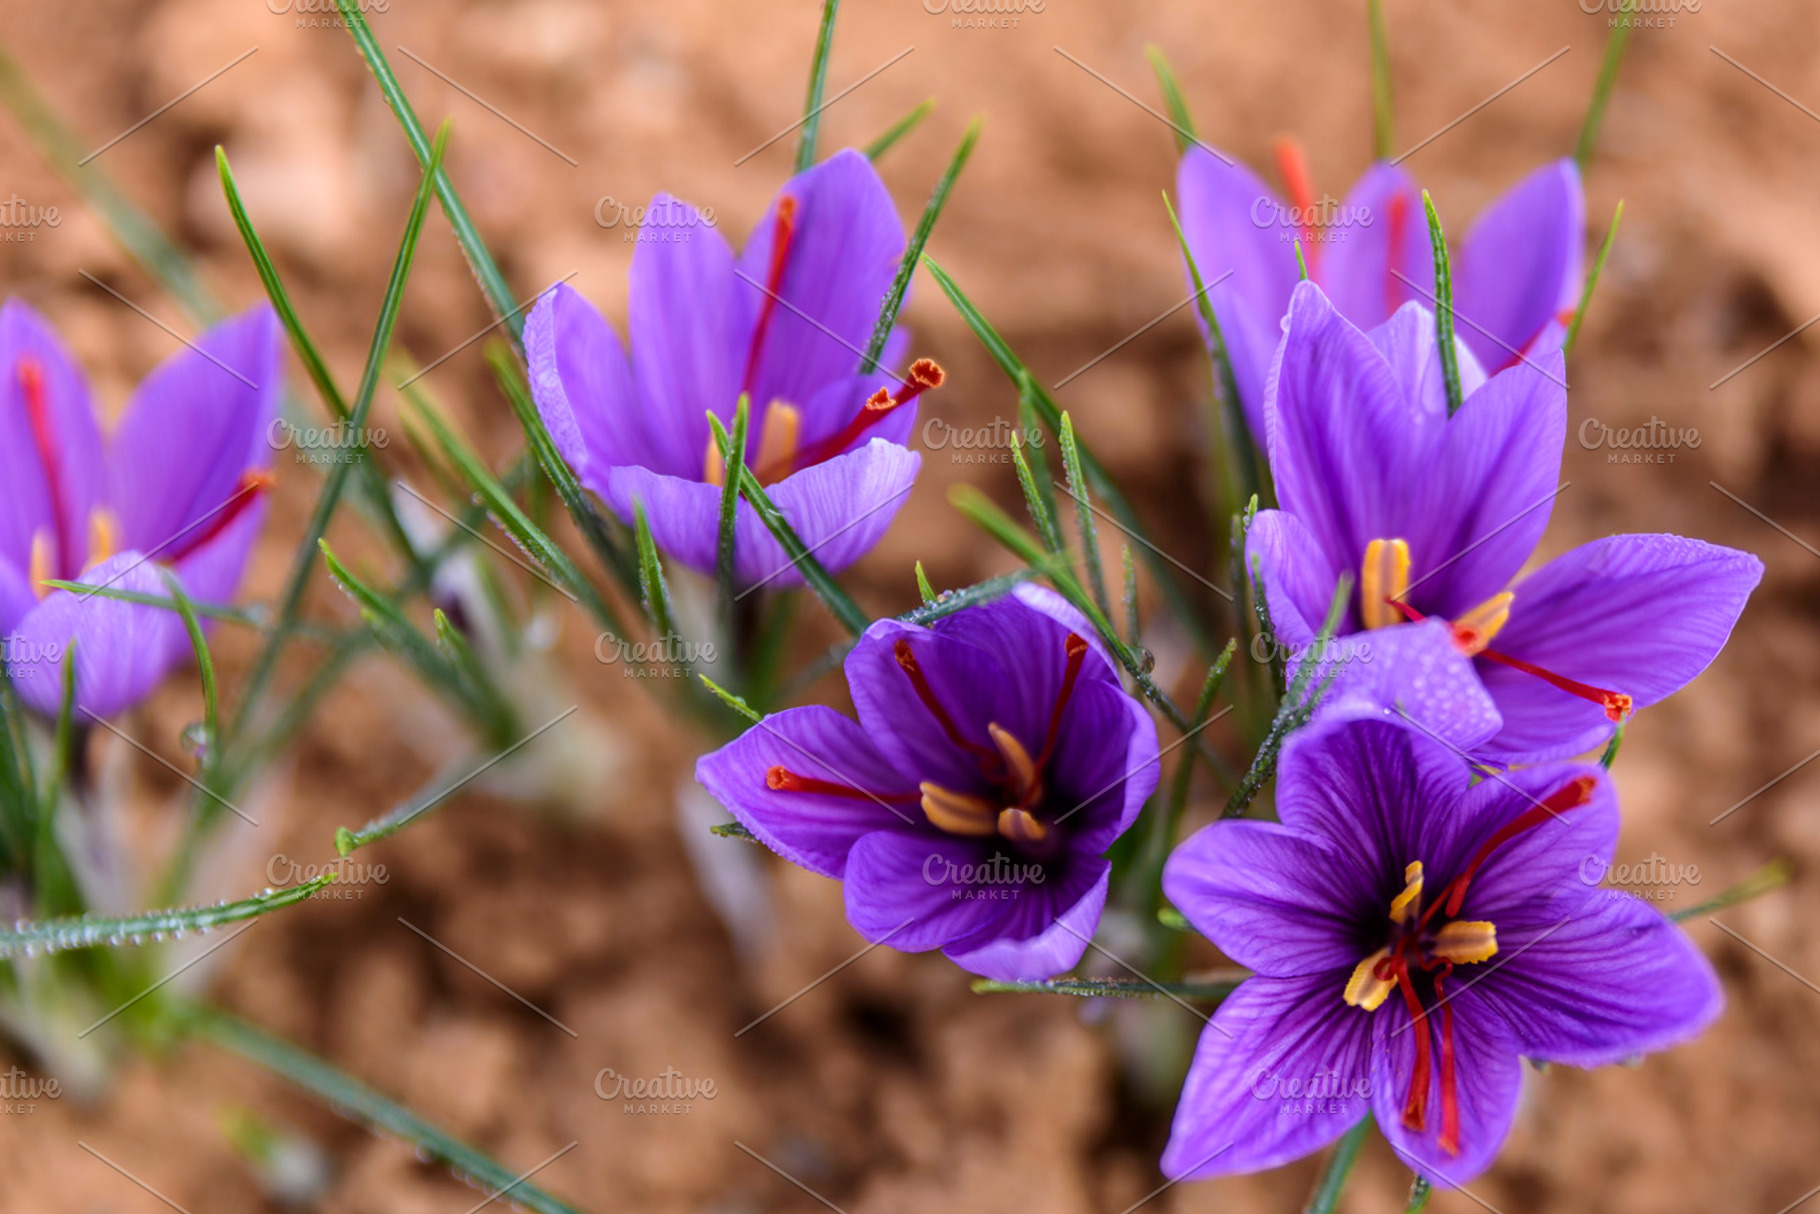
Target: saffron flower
(1412, 935)
(178, 484)
(783, 323)
(995, 759)
(1516, 275)
(1435, 517)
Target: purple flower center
(1424, 946)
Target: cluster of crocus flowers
(1516, 273)
(1435, 516)
(178, 484)
(784, 324)
(1413, 935)
(995, 759)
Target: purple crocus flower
(1516, 275)
(178, 484)
(1412, 935)
(785, 323)
(969, 809)
(1436, 515)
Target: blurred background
(890, 1086)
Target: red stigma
(783, 232)
(252, 483)
(1571, 795)
(923, 375)
(906, 660)
(1292, 166)
(782, 779)
(44, 437)
(1399, 210)
(1076, 649)
(1617, 704)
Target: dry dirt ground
(891, 1087)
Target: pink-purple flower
(1413, 935)
(1516, 273)
(1436, 516)
(785, 322)
(177, 484)
(995, 759)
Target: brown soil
(891, 1087)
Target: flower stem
(1339, 1168)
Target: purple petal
(1250, 888)
(16, 597)
(896, 893)
(1034, 644)
(839, 509)
(123, 650)
(1041, 598)
(1413, 673)
(583, 387)
(1298, 578)
(1407, 342)
(1488, 1079)
(74, 439)
(1357, 267)
(1519, 267)
(1105, 765)
(1637, 614)
(841, 260)
(1054, 950)
(814, 830)
(193, 428)
(1221, 206)
(1282, 1070)
(1615, 981)
(684, 320)
(1535, 880)
(965, 680)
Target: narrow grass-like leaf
(1297, 707)
(1771, 876)
(351, 1099)
(1339, 1165)
(948, 602)
(291, 601)
(818, 82)
(913, 253)
(1602, 88)
(112, 931)
(1083, 515)
(1592, 281)
(1147, 874)
(1041, 509)
(1210, 991)
(205, 668)
(245, 617)
(1383, 104)
(1131, 607)
(480, 259)
(1450, 355)
(1173, 919)
(924, 590)
(814, 576)
(736, 703)
(1611, 748)
(1030, 438)
(63, 746)
(653, 586)
(1164, 574)
(726, 550)
(897, 130)
(1177, 105)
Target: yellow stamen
(1384, 575)
(1017, 762)
(777, 442)
(43, 561)
(1021, 826)
(713, 467)
(1473, 631)
(957, 813)
(1465, 941)
(1406, 905)
(103, 534)
(1365, 989)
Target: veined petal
(582, 383)
(192, 430)
(1489, 1080)
(1298, 577)
(26, 500)
(1520, 265)
(1637, 614)
(123, 650)
(897, 891)
(1065, 913)
(1358, 265)
(1282, 1070)
(813, 829)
